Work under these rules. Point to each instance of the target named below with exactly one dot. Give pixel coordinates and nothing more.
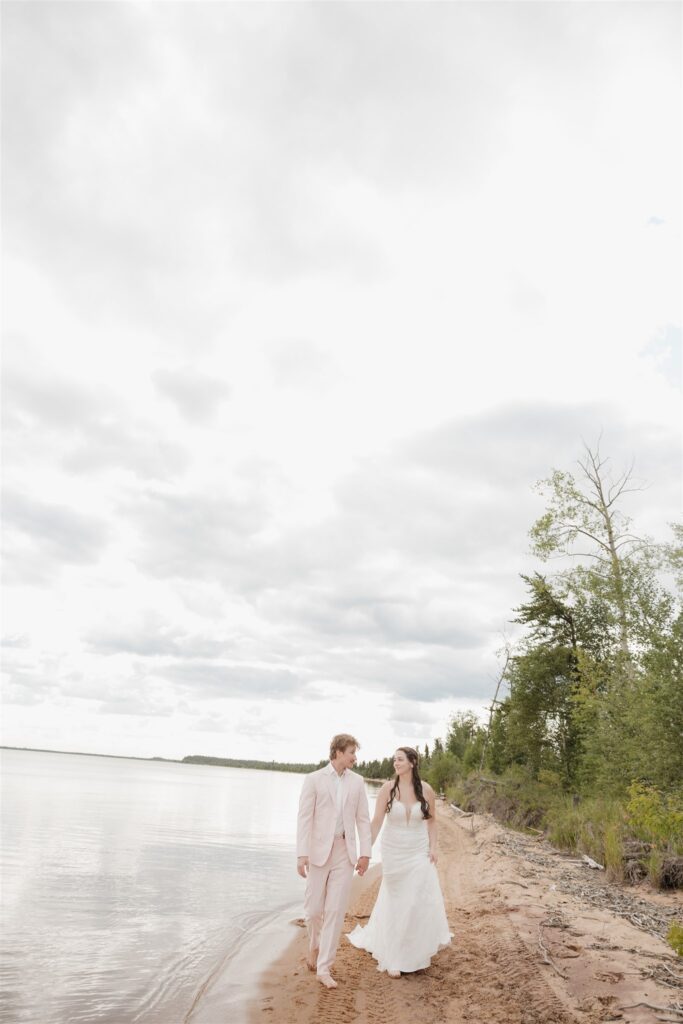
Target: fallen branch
(655, 974)
(632, 949)
(465, 814)
(592, 863)
(651, 1006)
(547, 959)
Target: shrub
(675, 937)
(656, 818)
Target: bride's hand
(362, 865)
(433, 856)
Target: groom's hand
(302, 866)
(362, 865)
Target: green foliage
(443, 769)
(465, 739)
(383, 769)
(674, 937)
(613, 857)
(673, 554)
(655, 712)
(594, 826)
(655, 817)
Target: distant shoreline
(220, 762)
(201, 759)
(87, 753)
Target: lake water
(129, 888)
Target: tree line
(590, 721)
(232, 762)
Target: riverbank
(538, 939)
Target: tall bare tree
(584, 519)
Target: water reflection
(126, 882)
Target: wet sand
(227, 994)
(533, 944)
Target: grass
(598, 826)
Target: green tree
(443, 771)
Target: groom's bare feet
(327, 980)
(312, 960)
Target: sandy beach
(539, 938)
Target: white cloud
(301, 300)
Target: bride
(408, 923)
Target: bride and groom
(408, 923)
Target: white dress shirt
(339, 827)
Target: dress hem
(421, 966)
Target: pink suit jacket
(318, 816)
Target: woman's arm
(380, 810)
(431, 821)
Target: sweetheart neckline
(409, 815)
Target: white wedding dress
(408, 923)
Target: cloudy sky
(301, 300)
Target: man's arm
(304, 825)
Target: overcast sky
(301, 300)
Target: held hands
(362, 865)
(302, 866)
(433, 856)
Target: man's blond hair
(341, 742)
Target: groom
(333, 803)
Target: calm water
(128, 885)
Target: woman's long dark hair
(417, 783)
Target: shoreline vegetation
(584, 739)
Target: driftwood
(671, 875)
(634, 871)
(592, 863)
(588, 886)
(663, 975)
(632, 949)
(636, 848)
(547, 959)
(651, 1006)
(465, 814)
